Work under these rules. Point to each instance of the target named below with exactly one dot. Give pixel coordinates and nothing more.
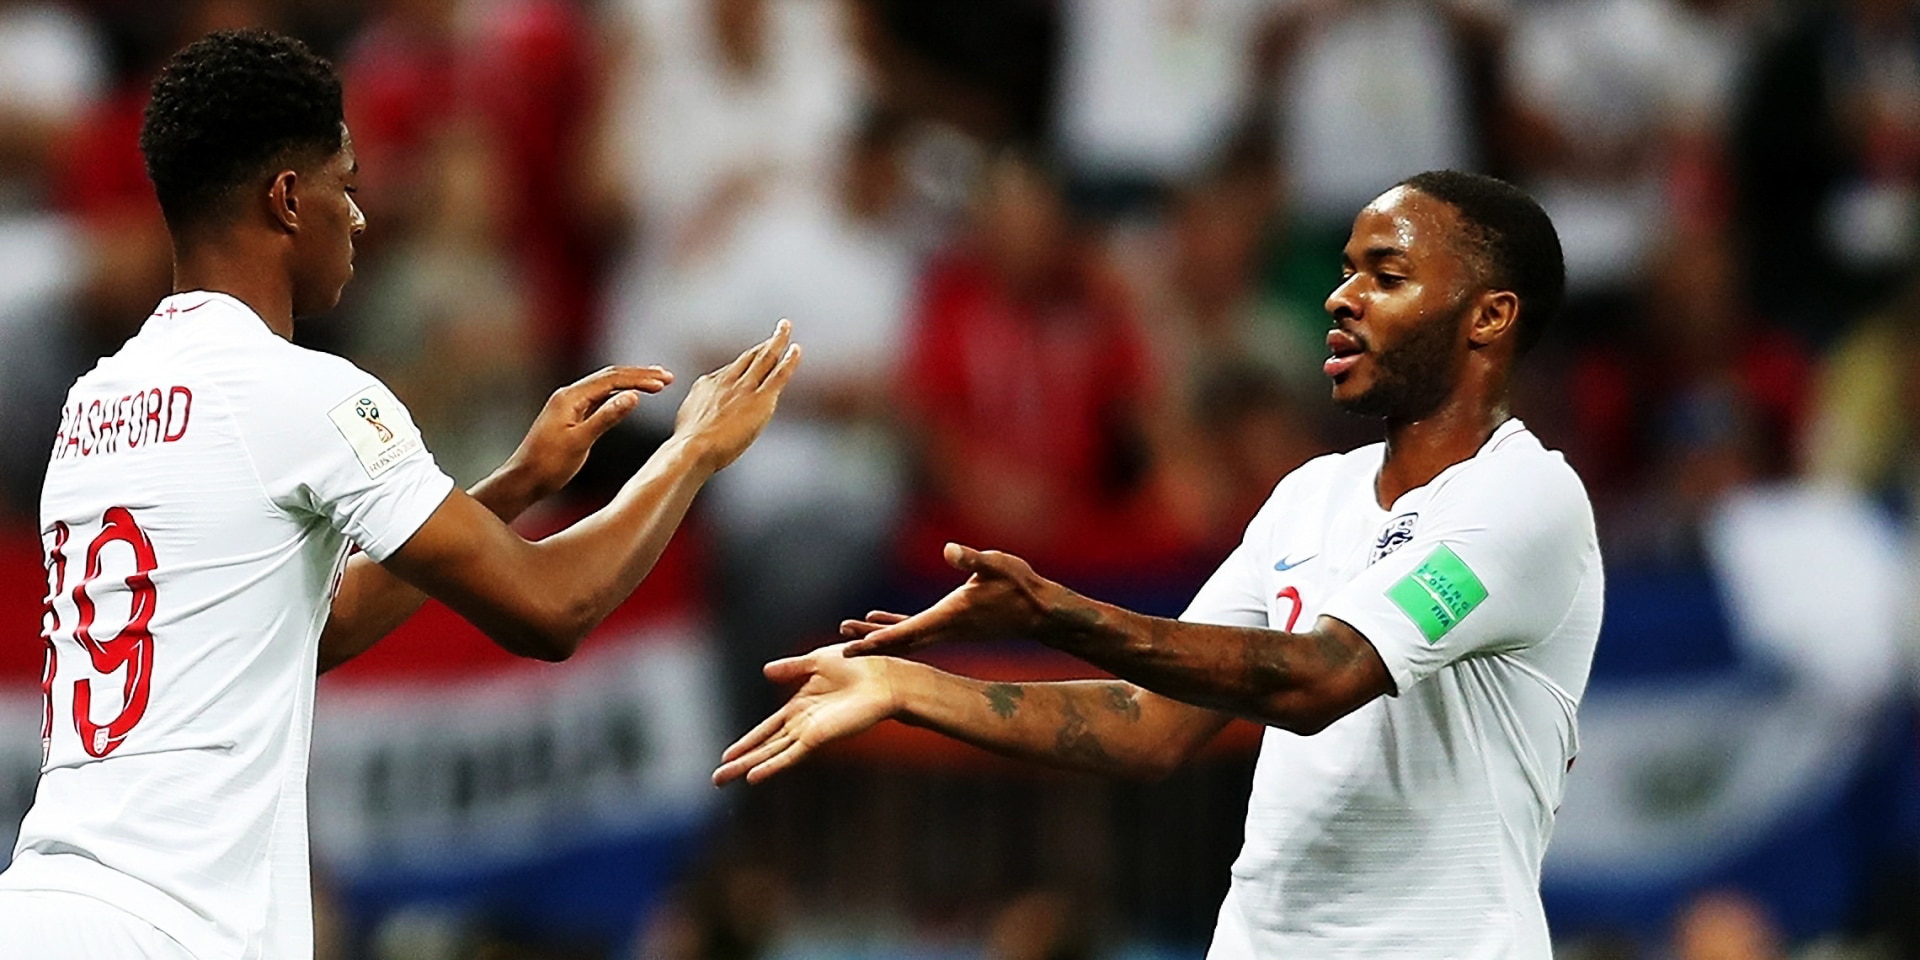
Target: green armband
(1438, 594)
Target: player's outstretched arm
(372, 602)
(1296, 681)
(1098, 726)
(540, 599)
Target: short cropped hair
(1511, 242)
(226, 107)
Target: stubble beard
(1415, 376)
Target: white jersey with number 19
(204, 489)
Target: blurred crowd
(1058, 266)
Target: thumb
(613, 411)
(786, 669)
(963, 558)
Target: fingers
(769, 748)
(989, 562)
(759, 734)
(769, 352)
(783, 370)
(742, 366)
(743, 764)
(794, 753)
(607, 381)
(760, 765)
(962, 558)
(613, 411)
(788, 669)
(876, 619)
(884, 640)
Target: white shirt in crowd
(1375, 92)
(1154, 87)
(204, 489)
(1415, 825)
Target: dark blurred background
(1058, 266)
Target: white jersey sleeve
(339, 446)
(1236, 594)
(1492, 567)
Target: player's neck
(1417, 450)
(240, 274)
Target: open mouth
(1346, 350)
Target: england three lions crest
(1398, 531)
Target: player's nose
(1342, 304)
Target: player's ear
(1499, 311)
(283, 203)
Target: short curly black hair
(1511, 240)
(224, 108)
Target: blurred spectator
(1027, 383)
(800, 522)
(1617, 125)
(1367, 92)
(1726, 925)
(1866, 408)
(331, 937)
(1696, 334)
(1151, 92)
(446, 318)
(715, 106)
(52, 68)
(1230, 361)
(519, 75)
(1040, 925)
(1741, 691)
(728, 913)
(1828, 154)
(984, 67)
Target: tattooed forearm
(1120, 699)
(1265, 665)
(1287, 679)
(1075, 741)
(1335, 653)
(1004, 698)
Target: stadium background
(1058, 268)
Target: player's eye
(1390, 280)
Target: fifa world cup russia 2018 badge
(379, 443)
(370, 412)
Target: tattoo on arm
(1004, 698)
(1119, 699)
(1334, 651)
(1264, 664)
(1075, 741)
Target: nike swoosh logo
(1284, 565)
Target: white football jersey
(1415, 826)
(204, 488)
